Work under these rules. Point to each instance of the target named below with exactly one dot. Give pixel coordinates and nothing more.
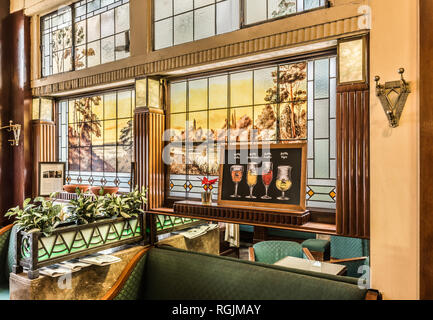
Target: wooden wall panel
(44, 148)
(353, 158)
(149, 126)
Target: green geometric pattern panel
(169, 223)
(78, 240)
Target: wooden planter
(34, 250)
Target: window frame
(242, 24)
(169, 200)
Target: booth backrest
(173, 274)
(5, 235)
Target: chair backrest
(173, 274)
(273, 251)
(345, 248)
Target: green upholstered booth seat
(346, 248)
(174, 274)
(316, 245)
(273, 251)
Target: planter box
(34, 250)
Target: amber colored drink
(237, 176)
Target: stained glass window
(256, 11)
(181, 21)
(99, 33)
(281, 102)
(96, 138)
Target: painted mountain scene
(100, 134)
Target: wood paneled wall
(353, 159)
(149, 126)
(44, 147)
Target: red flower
(207, 182)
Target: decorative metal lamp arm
(16, 128)
(393, 107)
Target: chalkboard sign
(264, 175)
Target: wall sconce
(16, 128)
(393, 96)
(148, 92)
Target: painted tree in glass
(292, 91)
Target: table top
(309, 265)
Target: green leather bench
(6, 260)
(173, 274)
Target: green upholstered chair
(319, 248)
(352, 252)
(270, 252)
(6, 259)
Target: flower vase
(206, 197)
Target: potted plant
(38, 216)
(42, 240)
(206, 195)
(84, 210)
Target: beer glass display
(267, 176)
(237, 173)
(284, 181)
(252, 172)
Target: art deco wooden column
(353, 158)
(15, 104)
(44, 147)
(149, 126)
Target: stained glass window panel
(279, 102)
(181, 21)
(99, 150)
(99, 37)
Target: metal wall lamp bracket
(16, 128)
(393, 96)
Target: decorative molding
(242, 214)
(319, 32)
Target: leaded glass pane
(321, 119)
(183, 28)
(255, 11)
(227, 16)
(164, 33)
(241, 89)
(321, 83)
(163, 9)
(204, 22)
(178, 97)
(279, 8)
(218, 94)
(198, 95)
(181, 6)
